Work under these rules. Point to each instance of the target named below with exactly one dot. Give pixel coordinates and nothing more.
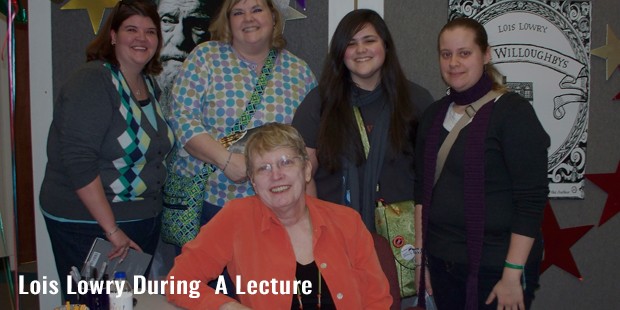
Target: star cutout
(95, 8)
(609, 182)
(558, 242)
(611, 52)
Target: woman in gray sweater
(107, 144)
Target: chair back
(386, 259)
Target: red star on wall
(558, 242)
(609, 182)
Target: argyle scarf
(129, 186)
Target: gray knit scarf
(362, 196)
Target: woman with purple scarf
(479, 219)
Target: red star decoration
(609, 182)
(558, 242)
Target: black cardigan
(516, 183)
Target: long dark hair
(338, 131)
(101, 47)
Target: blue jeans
(208, 212)
(449, 283)
(71, 243)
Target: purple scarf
(473, 190)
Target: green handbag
(395, 222)
(183, 197)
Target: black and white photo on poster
(543, 49)
(184, 25)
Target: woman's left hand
(121, 243)
(236, 170)
(509, 294)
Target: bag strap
(243, 120)
(363, 133)
(470, 111)
(362, 129)
(257, 95)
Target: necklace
(138, 86)
(138, 83)
(318, 296)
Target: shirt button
(323, 265)
(339, 295)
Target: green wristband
(510, 265)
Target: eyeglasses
(284, 163)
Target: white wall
(39, 19)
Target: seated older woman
(283, 249)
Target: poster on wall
(542, 48)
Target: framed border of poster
(543, 50)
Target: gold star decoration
(611, 52)
(95, 8)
